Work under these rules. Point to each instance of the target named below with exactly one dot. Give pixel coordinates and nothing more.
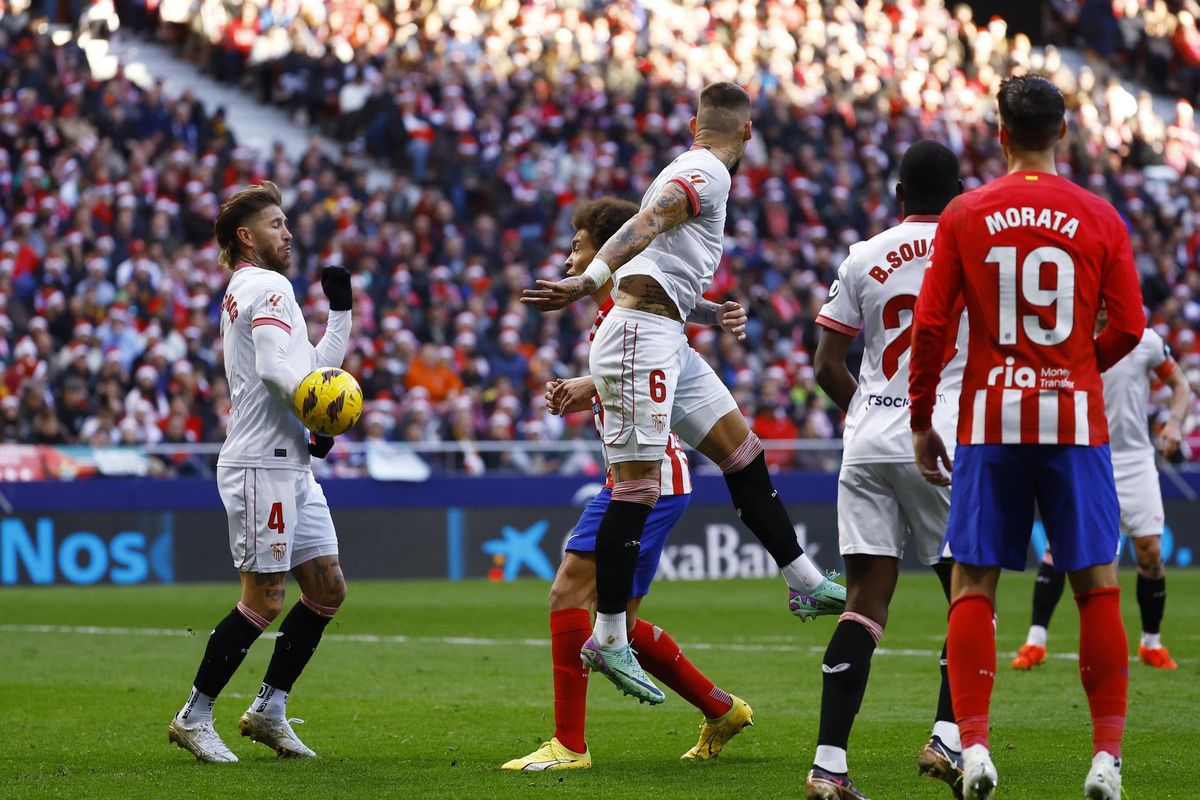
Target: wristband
(598, 271)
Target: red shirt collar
(606, 306)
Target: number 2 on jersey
(275, 519)
(891, 320)
(1061, 297)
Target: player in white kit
(278, 518)
(1126, 391)
(882, 499)
(651, 381)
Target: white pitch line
(470, 641)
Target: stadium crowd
(497, 123)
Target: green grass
(85, 716)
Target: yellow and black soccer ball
(328, 401)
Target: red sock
(663, 659)
(569, 629)
(1104, 665)
(971, 665)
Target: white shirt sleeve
(842, 312)
(271, 332)
(331, 350)
(707, 187)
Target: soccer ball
(328, 401)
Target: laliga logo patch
(334, 409)
(310, 401)
(278, 549)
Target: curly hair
(602, 218)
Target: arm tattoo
(706, 312)
(670, 207)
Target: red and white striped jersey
(675, 477)
(1033, 256)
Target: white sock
(197, 709)
(948, 733)
(270, 701)
(1151, 640)
(802, 575)
(831, 759)
(1037, 636)
(609, 632)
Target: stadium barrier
(131, 531)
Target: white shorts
(880, 506)
(277, 518)
(650, 381)
(1140, 498)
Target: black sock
(227, 647)
(760, 509)
(299, 636)
(618, 542)
(1152, 599)
(945, 709)
(1047, 591)
(847, 665)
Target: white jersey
(1126, 394)
(263, 431)
(684, 259)
(875, 292)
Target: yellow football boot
(715, 733)
(551, 755)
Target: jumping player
(882, 498)
(1033, 256)
(1126, 388)
(278, 518)
(573, 593)
(651, 381)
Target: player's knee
(742, 455)
(331, 596)
(269, 607)
(1149, 556)
(645, 491)
(873, 626)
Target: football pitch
(425, 688)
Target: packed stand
(1155, 41)
(497, 130)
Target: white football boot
(1104, 779)
(274, 732)
(201, 740)
(979, 773)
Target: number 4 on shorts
(275, 518)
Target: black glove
(319, 446)
(335, 281)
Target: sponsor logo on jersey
(1011, 376)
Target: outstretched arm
(671, 206)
